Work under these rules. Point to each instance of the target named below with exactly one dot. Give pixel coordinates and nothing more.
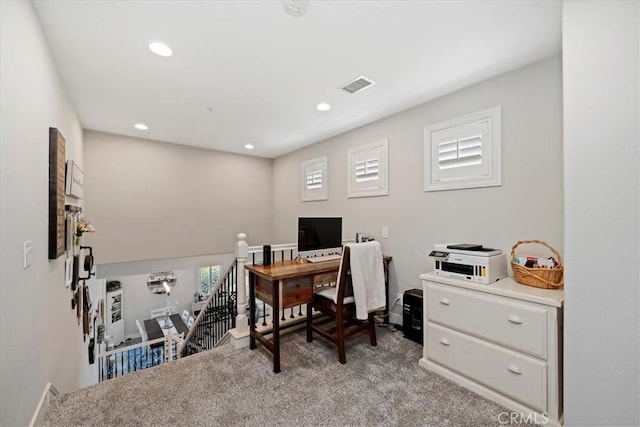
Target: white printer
(470, 262)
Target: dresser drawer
(516, 324)
(520, 377)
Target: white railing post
(242, 252)
(240, 335)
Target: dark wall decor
(56, 193)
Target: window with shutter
(314, 180)
(463, 152)
(368, 170)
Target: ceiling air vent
(358, 84)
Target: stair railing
(147, 354)
(216, 317)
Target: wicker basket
(547, 278)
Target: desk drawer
(520, 377)
(264, 290)
(296, 291)
(516, 324)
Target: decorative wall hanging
(70, 227)
(162, 282)
(74, 184)
(56, 193)
(68, 271)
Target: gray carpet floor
(378, 386)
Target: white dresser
(502, 341)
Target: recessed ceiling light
(323, 106)
(141, 126)
(248, 146)
(295, 8)
(160, 49)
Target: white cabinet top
(505, 287)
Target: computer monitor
(319, 235)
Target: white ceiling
(247, 72)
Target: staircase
(224, 310)
(226, 307)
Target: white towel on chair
(367, 276)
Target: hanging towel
(367, 276)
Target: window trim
(381, 187)
(491, 147)
(312, 166)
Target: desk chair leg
(372, 330)
(342, 358)
(309, 321)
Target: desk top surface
(289, 269)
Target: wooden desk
(288, 284)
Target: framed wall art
(74, 184)
(56, 193)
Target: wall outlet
(385, 232)
(27, 254)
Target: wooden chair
(339, 305)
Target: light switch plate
(385, 232)
(28, 257)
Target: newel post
(240, 334)
(242, 252)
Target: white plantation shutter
(314, 180)
(463, 152)
(460, 152)
(368, 170)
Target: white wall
(527, 205)
(602, 215)
(40, 340)
(149, 199)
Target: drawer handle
(515, 370)
(515, 319)
(444, 341)
(444, 301)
